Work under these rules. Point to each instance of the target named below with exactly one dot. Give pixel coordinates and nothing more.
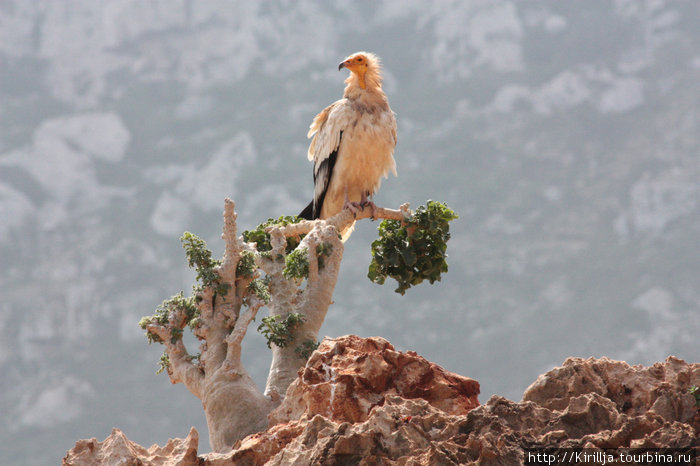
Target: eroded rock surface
(117, 449)
(359, 401)
(347, 377)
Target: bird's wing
(394, 140)
(326, 130)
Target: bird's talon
(352, 207)
(371, 205)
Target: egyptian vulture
(353, 143)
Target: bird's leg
(354, 207)
(367, 201)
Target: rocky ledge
(359, 401)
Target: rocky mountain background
(566, 135)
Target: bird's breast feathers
(368, 137)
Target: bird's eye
(359, 60)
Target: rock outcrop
(359, 401)
(347, 377)
(117, 449)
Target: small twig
(235, 339)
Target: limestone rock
(359, 401)
(347, 377)
(116, 449)
(660, 389)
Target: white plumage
(353, 143)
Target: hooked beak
(342, 65)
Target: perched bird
(353, 143)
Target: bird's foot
(367, 201)
(371, 205)
(353, 207)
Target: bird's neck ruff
(371, 79)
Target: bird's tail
(308, 212)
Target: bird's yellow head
(365, 66)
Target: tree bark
(313, 301)
(233, 405)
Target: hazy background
(566, 135)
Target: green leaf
(409, 257)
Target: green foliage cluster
(412, 251)
(164, 363)
(246, 265)
(199, 257)
(261, 288)
(695, 391)
(323, 250)
(262, 237)
(279, 330)
(306, 348)
(296, 264)
(162, 314)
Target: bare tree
(291, 267)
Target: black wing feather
(308, 212)
(323, 174)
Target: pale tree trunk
(233, 405)
(312, 302)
